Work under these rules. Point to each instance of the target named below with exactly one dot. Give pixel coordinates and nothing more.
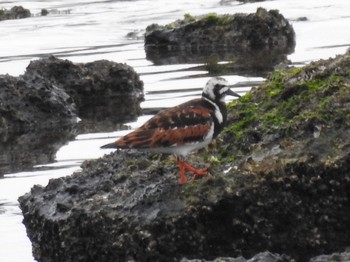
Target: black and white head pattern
(216, 89)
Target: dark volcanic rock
(39, 108)
(16, 12)
(280, 182)
(100, 89)
(36, 118)
(52, 90)
(261, 257)
(28, 104)
(238, 37)
(339, 257)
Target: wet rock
(32, 103)
(39, 109)
(237, 38)
(54, 91)
(101, 89)
(16, 12)
(44, 12)
(36, 118)
(339, 257)
(261, 257)
(280, 181)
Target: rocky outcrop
(16, 12)
(28, 103)
(280, 181)
(100, 89)
(53, 92)
(239, 38)
(39, 108)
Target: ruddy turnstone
(184, 128)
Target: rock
(44, 12)
(54, 91)
(101, 89)
(239, 38)
(28, 104)
(16, 12)
(279, 181)
(23, 151)
(36, 118)
(39, 109)
(261, 257)
(339, 257)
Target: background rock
(265, 35)
(40, 107)
(100, 89)
(27, 104)
(16, 12)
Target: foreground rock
(280, 182)
(261, 257)
(258, 40)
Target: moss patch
(289, 104)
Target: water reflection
(107, 115)
(23, 151)
(257, 63)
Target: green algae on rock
(280, 182)
(258, 40)
(293, 103)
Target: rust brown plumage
(184, 128)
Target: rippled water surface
(85, 31)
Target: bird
(183, 129)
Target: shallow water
(84, 31)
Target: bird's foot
(199, 172)
(183, 166)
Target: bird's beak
(231, 93)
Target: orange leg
(183, 166)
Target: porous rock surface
(27, 103)
(54, 91)
(39, 109)
(280, 181)
(114, 86)
(265, 35)
(261, 257)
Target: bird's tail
(111, 145)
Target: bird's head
(217, 88)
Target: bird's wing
(175, 126)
